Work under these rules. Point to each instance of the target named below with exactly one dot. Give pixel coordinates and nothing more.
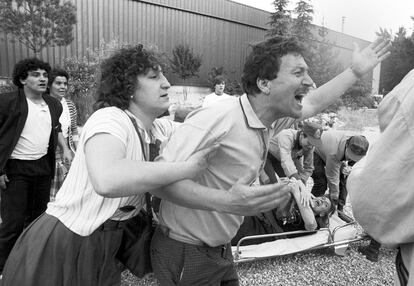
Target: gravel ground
(320, 267)
(315, 268)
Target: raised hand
(365, 60)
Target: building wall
(219, 30)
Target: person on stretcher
(294, 216)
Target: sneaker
(370, 254)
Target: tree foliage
(38, 23)
(83, 72)
(302, 26)
(280, 20)
(323, 59)
(399, 63)
(184, 62)
(358, 95)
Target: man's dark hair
(264, 60)
(218, 80)
(55, 73)
(23, 67)
(119, 73)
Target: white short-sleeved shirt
(214, 98)
(77, 205)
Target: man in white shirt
(29, 132)
(218, 94)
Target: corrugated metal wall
(219, 30)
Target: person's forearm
(190, 194)
(239, 199)
(333, 191)
(321, 98)
(306, 212)
(62, 142)
(117, 180)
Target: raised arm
(362, 62)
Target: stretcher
(342, 231)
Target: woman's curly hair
(118, 79)
(23, 67)
(264, 60)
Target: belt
(223, 248)
(113, 224)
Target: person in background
(29, 133)
(291, 154)
(219, 83)
(192, 247)
(58, 87)
(331, 150)
(295, 216)
(76, 241)
(381, 184)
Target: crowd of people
(71, 233)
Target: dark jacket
(13, 115)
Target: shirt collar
(251, 118)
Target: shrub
(7, 87)
(184, 62)
(358, 96)
(83, 74)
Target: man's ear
(263, 85)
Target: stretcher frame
(339, 246)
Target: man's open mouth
(299, 97)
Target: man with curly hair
(29, 133)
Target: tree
(399, 63)
(322, 62)
(184, 62)
(302, 25)
(280, 20)
(38, 23)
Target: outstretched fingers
(270, 196)
(381, 48)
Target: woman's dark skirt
(49, 254)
